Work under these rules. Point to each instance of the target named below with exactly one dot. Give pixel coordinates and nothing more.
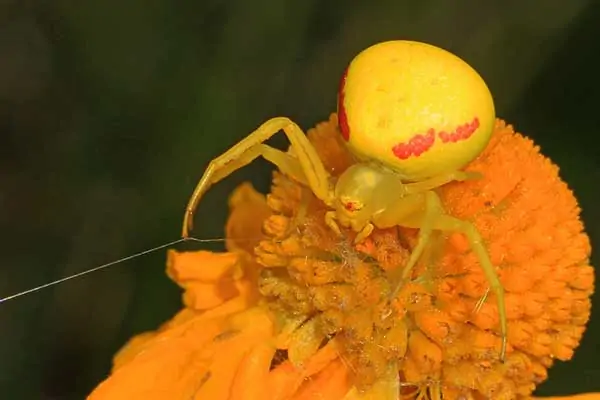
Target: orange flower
(298, 313)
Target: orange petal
(583, 396)
(132, 348)
(203, 266)
(255, 328)
(251, 377)
(170, 367)
(248, 212)
(332, 383)
(285, 380)
(204, 296)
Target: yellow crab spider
(413, 115)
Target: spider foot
(331, 221)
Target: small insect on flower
(413, 115)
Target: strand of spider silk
(109, 264)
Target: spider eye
(352, 205)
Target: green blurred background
(110, 110)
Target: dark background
(110, 110)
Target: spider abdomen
(415, 108)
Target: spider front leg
(306, 167)
(363, 231)
(432, 216)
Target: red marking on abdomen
(462, 132)
(420, 143)
(342, 117)
(416, 146)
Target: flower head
(299, 313)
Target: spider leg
(448, 223)
(331, 222)
(437, 181)
(298, 219)
(429, 216)
(305, 167)
(433, 207)
(424, 220)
